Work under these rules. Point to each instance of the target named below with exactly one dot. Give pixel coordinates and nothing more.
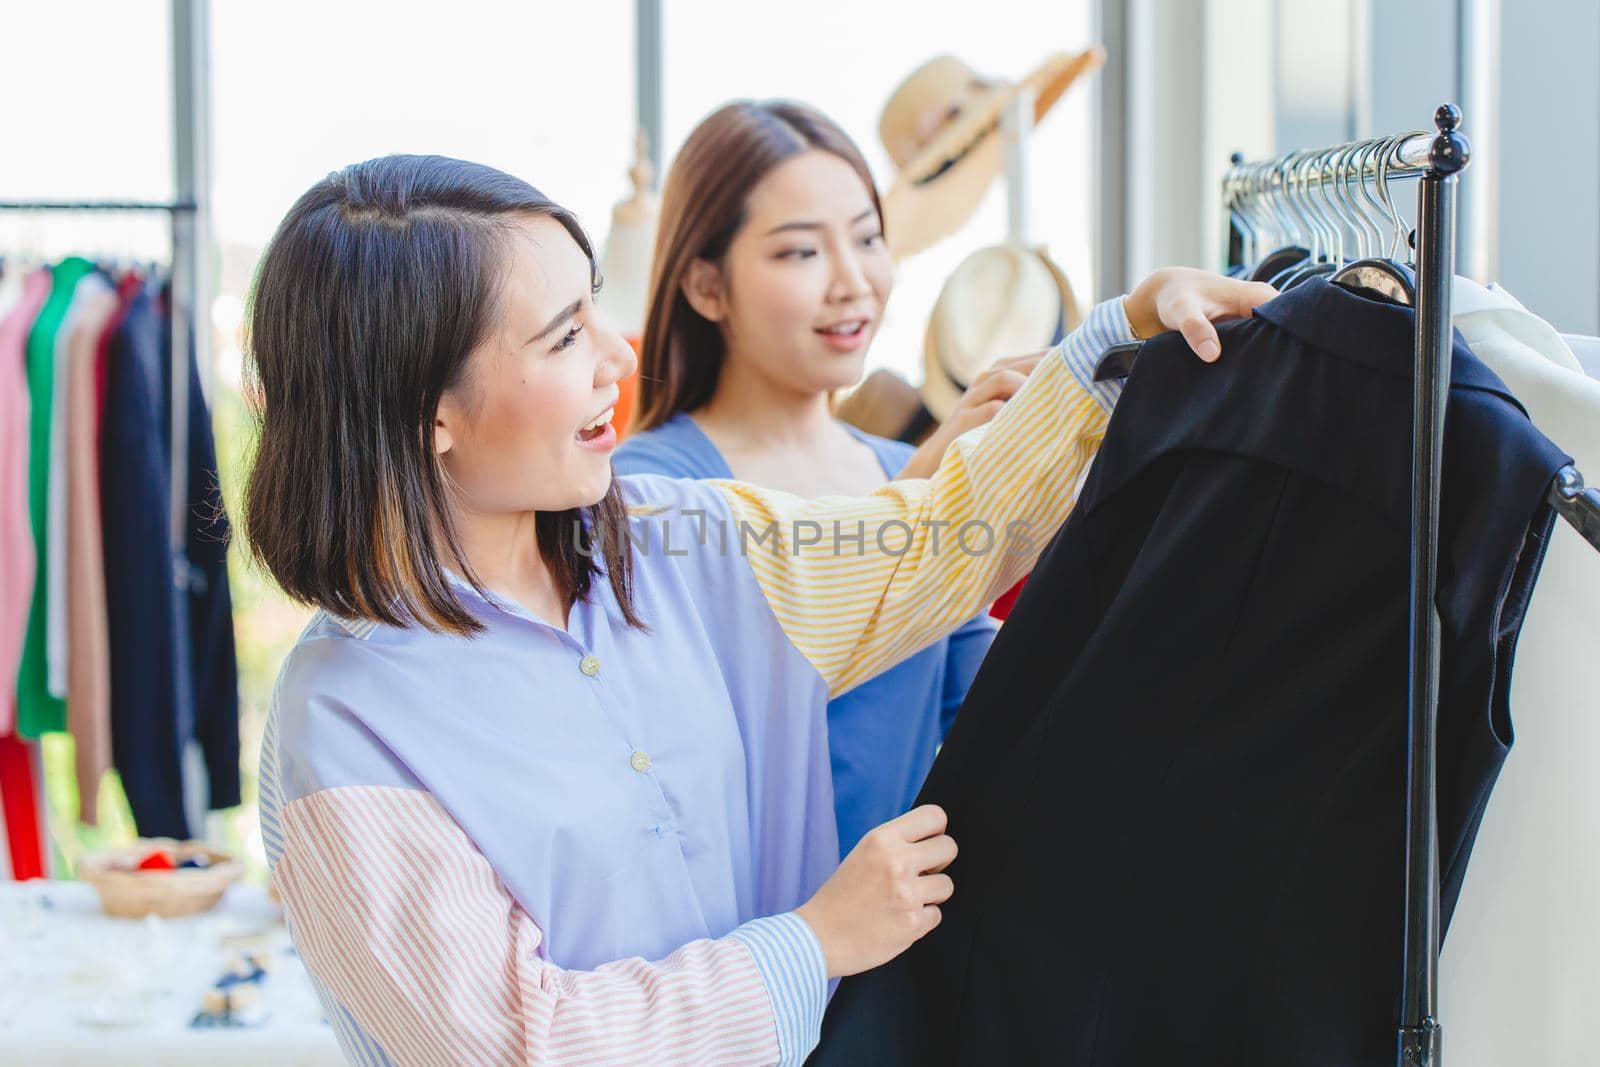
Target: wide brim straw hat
(941, 127)
(1001, 301)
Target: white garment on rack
(10, 289)
(1518, 980)
(1587, 349)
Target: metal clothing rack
(190, 227)
(1438, 159)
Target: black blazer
(1177, 782)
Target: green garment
(37, 710)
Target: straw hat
(1001, 301)
(941, 129)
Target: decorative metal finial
(1450, 151)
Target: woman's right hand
(981, 402)
(885, 895)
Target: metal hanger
(1382, 277)
(1275, 185)
(1308, 174)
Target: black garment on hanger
(1177, 783)
(174, 675)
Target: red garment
(1003, 606)
(24, 807)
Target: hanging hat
(1001, 301)
(941, 127)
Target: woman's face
(528, 428)
(804, 282)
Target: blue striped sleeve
(1106, 325)
(795, 972)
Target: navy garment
(1178, 781)
(174, 676)
(883, 733)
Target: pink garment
(17, 553)
(88, 632)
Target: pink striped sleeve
(396, 911)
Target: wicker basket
(129, 893)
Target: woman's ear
(702, 287)
(444, 439)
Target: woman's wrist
(819, 927)
(1140, 306)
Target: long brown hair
(703, 205)
(378, 284)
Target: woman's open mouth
(845, 336)
(600, 430)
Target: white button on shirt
(589, 665)
(640, 761)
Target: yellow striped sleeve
(861, 583)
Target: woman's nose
(618, 359)
(849, 278)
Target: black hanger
(1279, 261)
(1299, 274)
(1117, 361)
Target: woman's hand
(885, 895)
(981, 402)
(1188, 300)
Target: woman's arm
(861, 583)
(406, 923)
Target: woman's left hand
(1188, 300)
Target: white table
(79, 988)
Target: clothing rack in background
(183, 318)
(189, 212)
(1290, 198)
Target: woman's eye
(568, 340)
(872, 240)
(797, 253)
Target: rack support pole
(1419, 1030)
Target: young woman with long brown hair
(770, 279)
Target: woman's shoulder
(677, 448)
(334, 692)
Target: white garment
(10, 289)
(1587, 349)
(1519, 982)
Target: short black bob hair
(378, 284)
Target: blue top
(880, 756)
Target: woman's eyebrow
(561, 316)
(864, 216)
